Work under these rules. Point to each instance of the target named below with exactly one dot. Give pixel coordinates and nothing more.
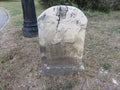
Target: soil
(20, 59)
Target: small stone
(82, 67)
(40, 71)
(115, 81)
(102, 71)
(47, 67)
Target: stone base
(58, 70)
(58, 66)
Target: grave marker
(61, 37)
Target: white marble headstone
(61, 37)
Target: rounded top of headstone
(63, 11)
(61, 23)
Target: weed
(106, 66)
(13, 7)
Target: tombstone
(61, 37)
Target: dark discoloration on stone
(42, 49)
(62, 11)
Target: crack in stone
(58, 18)
(62, 11)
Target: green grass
(15, 12)
(115, 15)
(14, 8)
(1, 88)
(106, 66)
(39, 8)
(92, 13)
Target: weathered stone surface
(61, 37)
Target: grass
(6, 57)
(114, 14)
(63, 82)
(1, 88)
(106, 66)
(67, 86)
(92, 13)
(13, 10)
(10, 0)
